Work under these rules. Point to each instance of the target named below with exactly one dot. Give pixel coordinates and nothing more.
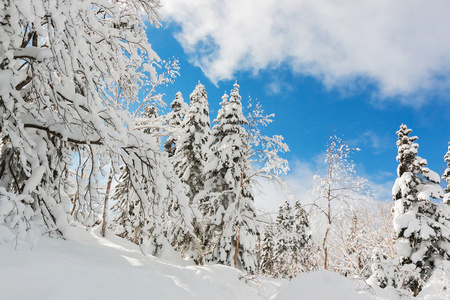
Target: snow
(88, 266)
(437, 287)
(322, 285)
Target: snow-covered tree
(218, 192)
(174, 121)
(267, 254)
(194, 139)
(301, 240)
(283, 247)
(69, 71)
(128, 209)
(446, 177)
(192, 150)
(301, 224)
(227, 203)
(62, 65)
(421, 226)
(150, 114)
(260, 160)
(336, 194)
(292, 249)
(86, 199)
(229, 225)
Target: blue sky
(361, 69)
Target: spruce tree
(446, 177)
(300, 247)
(283, 248)
(267, 255)
(301, 225)
(214, 201)
(175, 122)
(422, 237)
(228, 201)
(192, 148)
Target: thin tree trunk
(236, 251)
(135, 234)
(324, 245)
(325, 250)
(105, 205)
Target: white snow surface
(88, 266)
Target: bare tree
(336, 194)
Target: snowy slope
(87, 266)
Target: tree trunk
(325, 250)
(236, 251)
(135, 234)
(105, 205)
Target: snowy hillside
(87, 266)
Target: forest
(84, 143)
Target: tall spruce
(192, 150)
(228, 201)
(193, 144)
(216, 197)
(422, 235)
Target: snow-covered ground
(88, 266)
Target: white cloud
(402, 46)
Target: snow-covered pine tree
(150, 114)
(300, 247)
(421, 225)
(194, 141)
(260, 160)
(292, 251)
(301, 224)
(283, 247)
(267, 254)
(227, 202)
(213, 201)
(192, 150)
(446, 177)
(174, 121)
